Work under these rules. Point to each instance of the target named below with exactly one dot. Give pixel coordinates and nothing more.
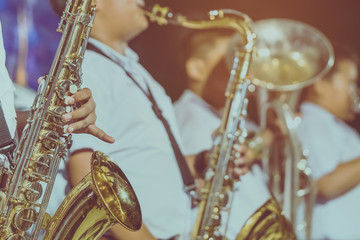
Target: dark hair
(58, 6)
(198, 42)
(342, 52)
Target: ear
(195, 69)
(321, 87)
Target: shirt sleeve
(322, 143)
(196, 139)
(350, 142)
(95, 82)
(196, 134)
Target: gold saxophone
(267, 222)
(102, 198)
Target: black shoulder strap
(188, 179)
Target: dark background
(158, 47)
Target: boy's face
(217, 74)
(122, 18)
(342, 89)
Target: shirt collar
(313, 109)
(124, 60)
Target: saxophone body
(44, 144)
(267, 221)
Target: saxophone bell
(104, 197)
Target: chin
(141, 23)
(136, 32)
(145, 24)
(142, 26)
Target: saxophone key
(84, 19)
(42, 164)
(216, 219)
(62, 88)
(24, 219)
(46, 220)
(33, 191)
(51, 140)
(57, 114)
(65, 128)
(68, 141)
(223, 199)
(68, 109)
(73, 89)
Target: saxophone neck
(160, 15)
(221, 19)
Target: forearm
(79, 165)
(344, 178)
(120, 233)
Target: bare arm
(345, 177)
(120, 233)
(79, 167)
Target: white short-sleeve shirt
(142, 148)
(331, 142)
(6, 90)
(197, 121)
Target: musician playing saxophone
(143, 149)
(198, 113)
(81, 120)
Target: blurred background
(31, 39)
